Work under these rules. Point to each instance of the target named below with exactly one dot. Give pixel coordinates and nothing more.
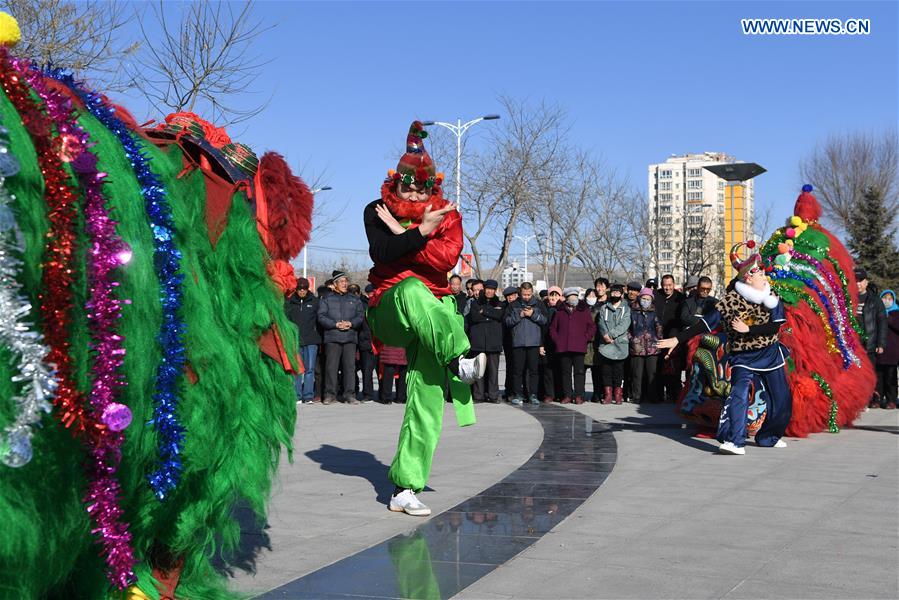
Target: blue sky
(639, 80)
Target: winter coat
(873, 319)
(590, 357)
(303, 312)
(340, 307)
(645, 332)
(695, 307)
(392, 355)
(526, 333)
(572, 328)
(890, 354)
(365, 331)
(485, 324)
(548, 344)
(461, 300)
(614, 322)
(668, 312)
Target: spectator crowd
(548, 340)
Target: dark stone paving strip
(454, 549)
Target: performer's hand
(739, 326)
(432, 219)
(389, 220)
(669, 343)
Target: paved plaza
(666, 517)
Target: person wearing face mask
(613, 323)
(549, 363)
(645, 333)
(571, 329)
(415, 238)
(751, 315)
(888, 360)
(590, 362)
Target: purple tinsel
(103, 313)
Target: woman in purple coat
(571, 328)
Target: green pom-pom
(422, 134)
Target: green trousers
(432, 332)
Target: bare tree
(845, 166)
(80, 36)
(524, 151)
(204, 63)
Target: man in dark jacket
(302, 308)
(485, 332)
(526, 317)
(366, 363)
(872, 316)
(698, 303)
(458, 291)
(340, 315)
(510, 295)
(668, 303)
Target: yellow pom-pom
(790, 243)
(9, 30)
(795, 220)
(390, 172)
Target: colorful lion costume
(152, 262)
(830, 376)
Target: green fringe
(237, 416)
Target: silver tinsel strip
(37, 378)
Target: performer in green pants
(415, 237)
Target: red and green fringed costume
(230, 221)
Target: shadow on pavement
(356, 463)
(253, 538)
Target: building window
(665, 185)
(666, 255)
(665, 220)
(664, 197)
(720, 196)
(721, 184)
(720, 209)
(694, 184)
(694, 196)
(695, 208)
(666, 267)
(694, 220)
(666, 245)
(694, 172)
(664, 209)
(665, 174)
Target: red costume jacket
(410, 254)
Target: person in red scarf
(415, 237)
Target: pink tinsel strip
(107, 418)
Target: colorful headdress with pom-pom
(743, 266)
(415, 165)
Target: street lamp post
(458, 129)
(525, 239)
(323, 188)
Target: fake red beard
(406, 209)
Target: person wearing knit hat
(752, 316)
(415, 238)
(570, 330)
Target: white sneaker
(730, 448)
(406, 502)
(472, 369)
(780, 444)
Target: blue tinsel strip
(166, 263)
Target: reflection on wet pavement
(454, 549)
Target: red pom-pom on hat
(750, 244)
